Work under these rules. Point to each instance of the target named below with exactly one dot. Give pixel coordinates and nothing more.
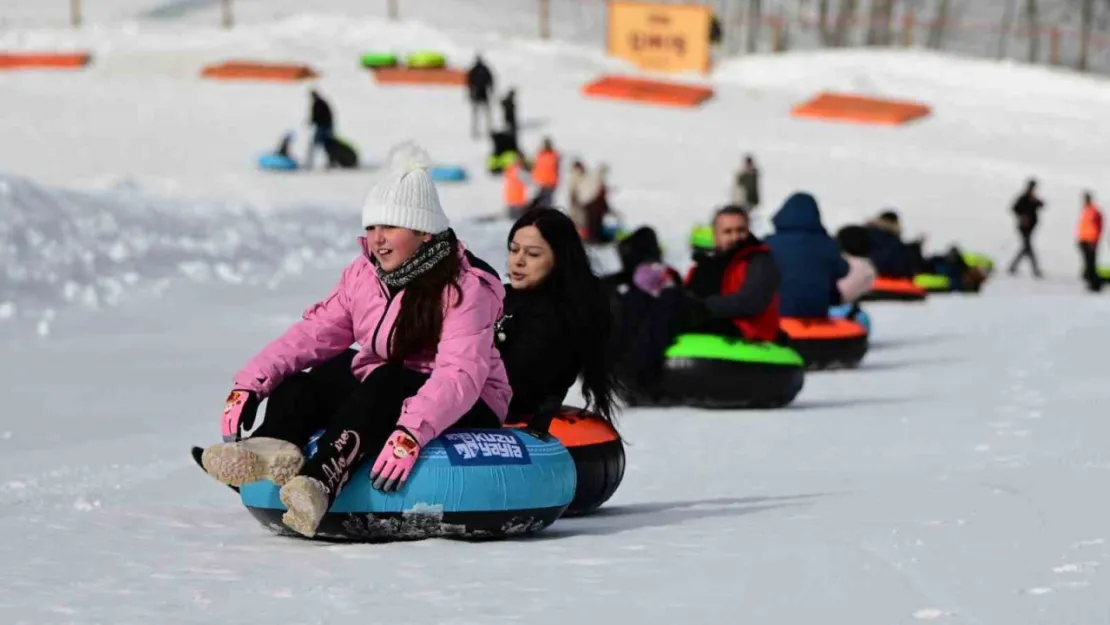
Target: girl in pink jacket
(422, 309)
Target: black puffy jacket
(542, 363)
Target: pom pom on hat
(406, 196)
(407, 157)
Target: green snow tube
(709, 371)
(701, 238)
(1104, 273)
(426, 60)
(979, 261)
(499, 162)
(932, 282)
(373, 60)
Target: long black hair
(420, 320)
(586, 304)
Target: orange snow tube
(598, 453)
(860, 109)
(894, 290)
(650, 91)
(826, 343)
(251, 70)
(43, 60)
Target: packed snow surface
(955, 477)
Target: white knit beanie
(406, 196)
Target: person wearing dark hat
(479, 82)
(323, 126)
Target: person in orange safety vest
(1088, 234)
(545, 172)
(515, 184)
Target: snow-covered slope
(59, 248)
(953, 478)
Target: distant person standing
(516, 182)
(545, 172)
(323, 123)
(479, 81)
(575, 202)
(1088, 235)
(1026, 209)
(745, 191)
(508, 111)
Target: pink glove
(652, 278)
(394, 464)
(240, 408)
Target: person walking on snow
(516, 183)
(1026, 209)
(323, 122)
(508, 111)
(422, 310)
(545, 172)
(1088, 234)
(479, 81)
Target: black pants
(474, 106)
(357, 417)
(1026, 251)
(1089, 253)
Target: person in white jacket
(855, 246)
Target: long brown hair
(420, 321)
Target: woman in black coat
(557, 323)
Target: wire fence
(1054, 37)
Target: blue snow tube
(842, 312)
(276, 162)
(468, 483)
(448, 173)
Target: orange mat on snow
(252, 70)
(35, 60)
(860, 109)
(412, 76)
(651, 91)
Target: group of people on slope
(1027, 208)
(480, 84)
(443, 343)
(896, 258)
(529, 184)
(739, 289)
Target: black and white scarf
(428, 255)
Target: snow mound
(61, 248)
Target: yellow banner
(660, 37)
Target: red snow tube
(598, 454)
(826, 343)
(895, 290)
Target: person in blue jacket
(809, 259)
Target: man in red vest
(738, 282)
(1088, 234)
